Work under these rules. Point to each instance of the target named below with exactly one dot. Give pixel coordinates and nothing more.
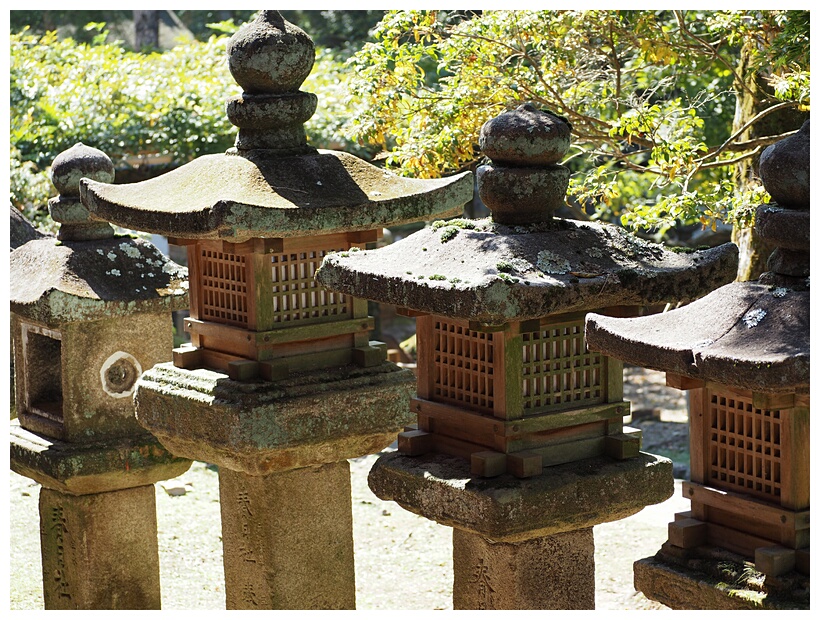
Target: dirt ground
(402, 561)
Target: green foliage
(341, 30)
(329, 81)
(30, 189)
(121, 102)
(650, 95)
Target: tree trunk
(146, 30)
(751, 100)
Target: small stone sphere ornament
(78, 162)
(526, 137)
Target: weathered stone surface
(784, 228)
(100, 551)
(681, 587)
(522, 195)
(784, 170)
(80, 161)
(549, 572)
(236, 198)
(744, 334)
(524, 185)
(90, 374)
(568, 497)
(288, 539)
(525, 136)
(21, 230)
(483, 271)
(793, 263)
(57, 282)
(270, 55)
(83, 468)
(271, 111)
(262, 427)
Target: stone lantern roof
(522, 263)
(272, 183)
(21, 230)
(87, 273)
(751, 335)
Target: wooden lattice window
(224, 287)
(462, 366)
(296, 295)
(558, 370)
(744, 451)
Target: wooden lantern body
(516, 397)
(749, 454)
(257, 311)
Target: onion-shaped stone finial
(270, 58)
(525, 184)
(270, 55)
(525, 136)
(78, 162)
(785, 172)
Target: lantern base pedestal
(288, 539)
(564, 498)
(100, 550)
(81, 469)
(547, 572)
(523, 543)
(713, 578)
(260, 427)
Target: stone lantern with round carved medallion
(90, 311)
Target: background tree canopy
(653, 98)
(670, 109)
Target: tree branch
(749, 123)
(729, 162)
(686, 32)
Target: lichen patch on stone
(130, 250)
(549, 262)
(753, 317)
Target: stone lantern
(91, 310)
(520, 444)
(743, 353)
(281, 383)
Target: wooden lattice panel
(743, 446)
(558, 370)
(224, 290)
(297, 298)
(462, 366)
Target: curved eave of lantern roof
(54, 282)
(21, 230)
(235, 198)
(493, 273)
(745, 334)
